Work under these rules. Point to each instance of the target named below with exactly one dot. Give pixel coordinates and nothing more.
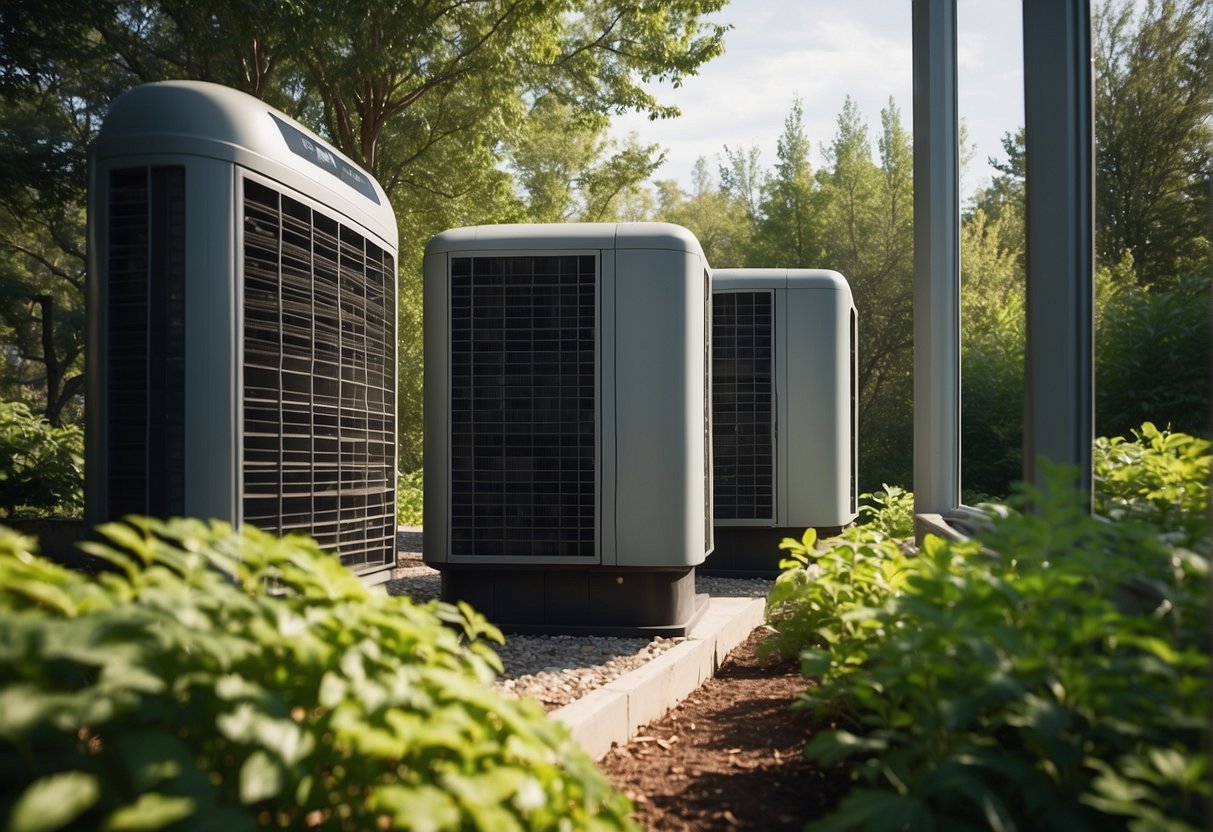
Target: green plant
(219, 680)
(1153, 356)
(1051, 674)
(410, 498)
(41, 466)
(891, 511)
(861, 570)
(1160, 477)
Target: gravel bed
(557, 670)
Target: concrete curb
(613, 713)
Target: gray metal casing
(221, 138)
(654, 464)
(816, 429)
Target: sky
(822, 51)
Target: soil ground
(730, 756)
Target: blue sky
(823, 50)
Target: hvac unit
(242, 324)
(567, 413)
(783, 411)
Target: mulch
(730, 756)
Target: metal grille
(319, 379)
(743, 405)
(523, 403)
(145, 358)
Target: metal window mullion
(936, 259)
(1059, 352)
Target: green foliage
(410, 495)
(889, 511)
(1160, 478)
(1154, 351)
(859, 570)
(217, 680)
(1154, 127)
(1051, 674)
(41, 466)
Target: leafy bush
(409, 498)
(861, 570)
(1061, 682)
(889, 511)
(1159, 478)
(41, 466)
(1153, 356)
(214, 680)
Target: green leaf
(260, 778)
(151, 811)
(54, 801)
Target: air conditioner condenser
(567, 414)
(242, 324)
(784, 411)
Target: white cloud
(823, 51)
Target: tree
(429, 97)
(51, 100)
(1154, 135)
(787, 233)
(867, 231)
(717, 221)
(742, 179)
(992, 351)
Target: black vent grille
(319, 380)
(743, 405)
(523, 402)
(145, 330)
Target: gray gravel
(557, 670)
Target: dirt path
(728, 757)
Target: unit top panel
(568, 236)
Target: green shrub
(1062, 682)
(1161, 478)
(1152, 359)
(860, 570)
(409, 498)
(889, 511)
(41, 466)
(215, 680)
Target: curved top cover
(204, 119)
(749, 279)
(573, 235)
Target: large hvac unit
(242, 324)
(783, 411)
(567, 412)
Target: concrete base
(563, 601)
(613, 713)
(753, 551)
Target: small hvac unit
(242, 324)
(783, 411)
(567, 414)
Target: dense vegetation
(215, 680)
(498, 112)
(1154, 160)
(41, 465)
(1052, 673)
(466, 113)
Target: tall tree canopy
(444, 103)
(1154, 135)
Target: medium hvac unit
(242, 324)
(783, 411)
(567, 413)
